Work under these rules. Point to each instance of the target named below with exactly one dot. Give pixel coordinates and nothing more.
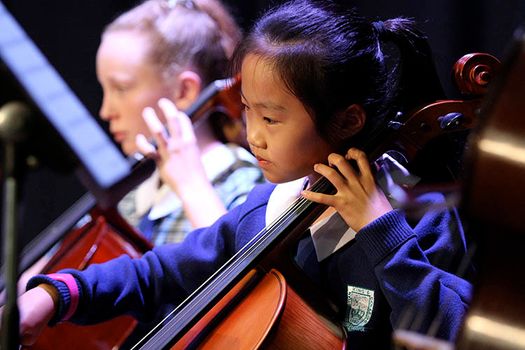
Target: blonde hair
(194, 34)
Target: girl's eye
(121, 89)
(245, 106)
(269, 120)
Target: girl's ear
(187, 89)
(352, 120)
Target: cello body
(494, 199)
(263, 311)
(105, 237)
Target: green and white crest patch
(360, 303)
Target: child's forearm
(52, 291)
(37, 307)
(63, 290)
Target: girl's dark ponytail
(415, 80)
(331, 58)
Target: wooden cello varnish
(263, 311)
(494, 202)
(105, 237)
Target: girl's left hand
(358, 199)
(177, 154)
(179, 162)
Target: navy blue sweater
(394, 269)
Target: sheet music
(91, 145)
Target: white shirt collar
(328, 235)
(282, 196)
(332, 233)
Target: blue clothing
(392, 265)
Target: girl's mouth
(262, 162)
(119, 136)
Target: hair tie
(189, 4)
(379, 27)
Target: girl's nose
(254, 135)
(105, 111)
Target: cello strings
(266, 235)
(239, 261)
(231, 268)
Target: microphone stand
(14, 131)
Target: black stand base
(14, 130)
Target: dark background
(68, 32)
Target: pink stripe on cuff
(71, 284)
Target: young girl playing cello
(315, 84)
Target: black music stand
(39, 114)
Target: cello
(259, 298)
(496, 175)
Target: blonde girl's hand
(177, 153)
(358, 199)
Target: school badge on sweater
(360, 303)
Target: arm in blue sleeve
(166, 274)
(413, 267)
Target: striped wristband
(71, 284)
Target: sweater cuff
(68, 290)
(380, 237)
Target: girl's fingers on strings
(155, 126)
(172, 117)
(344, 167)
(331, 174)
(145, 147)
(183, 123)
(366, 176)
(318, 197)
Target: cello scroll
(438, 130)
(493, 199)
